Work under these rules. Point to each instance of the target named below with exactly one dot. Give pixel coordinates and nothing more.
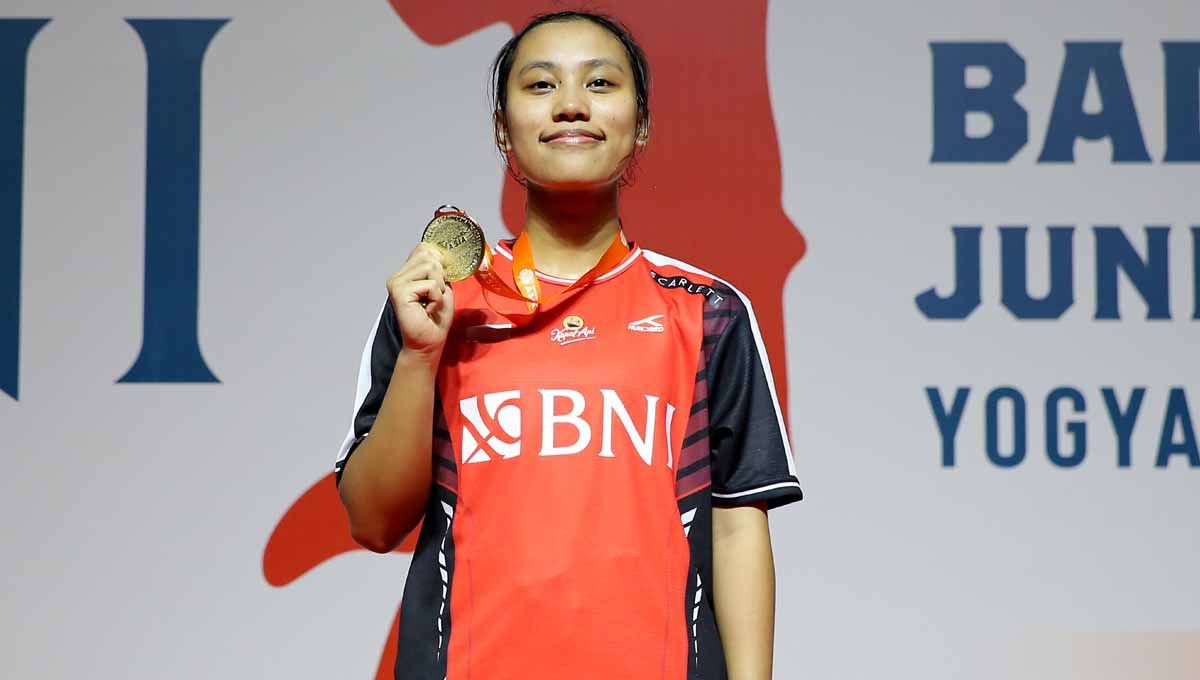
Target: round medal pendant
(459, 238)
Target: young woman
(593, 479)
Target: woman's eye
(545, 85)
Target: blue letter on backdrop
(1117, 118)
(1177, 414)
(1183, 101)
(993, 427)
(1196, 272)
(947, 422)
(1077, 429)
(966, 296)
(15, 37)
(1014, 280)
(1123, 421)
(1149, 276)
(175, 53)
(953, 100)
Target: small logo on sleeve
(650, 324)
(690, 286)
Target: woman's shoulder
(672, 272)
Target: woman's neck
(569, 231)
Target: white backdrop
(140, 513)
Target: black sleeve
(751, 459)
(374, 374)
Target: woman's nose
(571, 106)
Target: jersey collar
(504, 248)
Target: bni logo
(495, 429)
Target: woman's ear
(501, 129)
(643, 133)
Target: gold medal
(459, 238)
(466, 253)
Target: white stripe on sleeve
(364, 386)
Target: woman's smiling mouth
(573, 136)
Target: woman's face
(572, 108)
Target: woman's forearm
(744, 590)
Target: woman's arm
(744, 589)
(386, 482)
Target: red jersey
(576, 460)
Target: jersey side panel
(706, 659)
(749, 433)
(425, 623)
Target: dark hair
(503, 63)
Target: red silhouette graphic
(709, 193)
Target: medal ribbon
(525, 277)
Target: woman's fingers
(427, 254)
(423, 269)
(436, 292)
(420, 295)
(424, 289)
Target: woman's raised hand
(422, 300)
